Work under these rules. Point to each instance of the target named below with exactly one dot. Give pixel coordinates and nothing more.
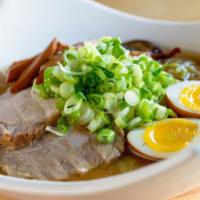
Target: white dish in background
(27, 27)
(157, 9)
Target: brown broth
(188, 61)
(124, 164)
(186, 55)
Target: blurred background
(188, 10)
(178, 10)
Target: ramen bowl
(26, 26)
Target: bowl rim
(55, 188)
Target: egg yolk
(190, 97)
(170, 135)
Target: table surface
(192, 195)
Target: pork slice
(24, 118)
(59, 158)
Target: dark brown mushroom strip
(61, 46)
(17, 68)
(143, 46)
(138, 47)
(32, 70)
(3, 84)
(166, 55)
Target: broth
(124, 164)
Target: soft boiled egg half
(164, 138)
(184, 98)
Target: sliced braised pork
(24, 118)
(59, 158)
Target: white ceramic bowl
(27, 26)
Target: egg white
(173, 92)
(138, 146)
